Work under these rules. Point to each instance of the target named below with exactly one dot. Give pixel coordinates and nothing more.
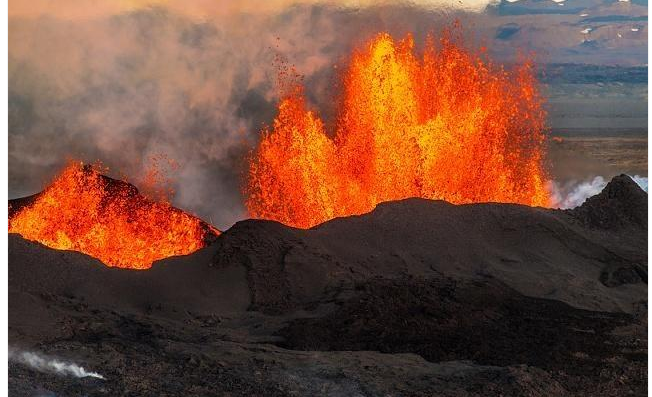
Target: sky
(201, 9)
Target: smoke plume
(126, 86)
(50, 365)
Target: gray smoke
(122, 88)
(43, 363)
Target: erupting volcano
(108, 219)
(447, 124)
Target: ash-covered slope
(554, 254)
(622, 205)
(484, 299)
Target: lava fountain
(85, 211)
(447, 124)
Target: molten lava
(85, 211)
(446, 125)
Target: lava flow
(445, 125)
(108, 219)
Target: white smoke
(574, 193)
(46, 364)
(641, 181)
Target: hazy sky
(75, 9)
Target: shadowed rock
(622, 204)
(417, 297)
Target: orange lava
(85, 211)
(445, 125)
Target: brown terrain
(416, 298)
(576, 157)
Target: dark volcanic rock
(621, 205)
(615, 275)
(417, 298)
(16, 205)
(538, 252)
(482, 321)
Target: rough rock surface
(417, 298)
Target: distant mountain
(605, 32)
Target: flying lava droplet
(446, 125)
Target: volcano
(418, 297)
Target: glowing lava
(446, 125)
(85, 211)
